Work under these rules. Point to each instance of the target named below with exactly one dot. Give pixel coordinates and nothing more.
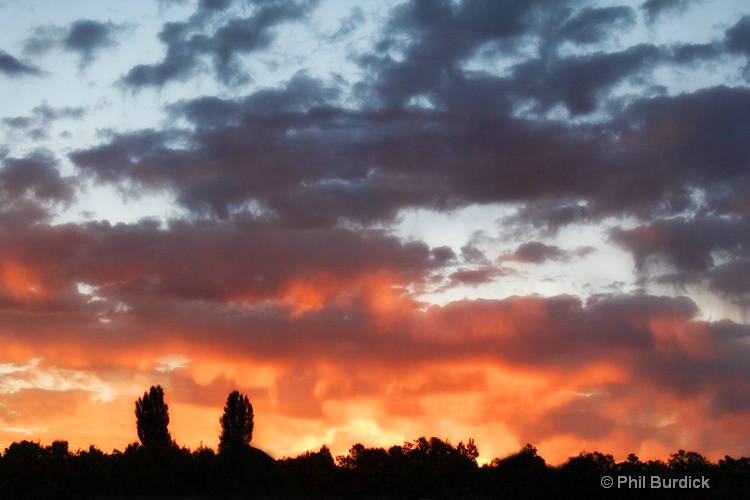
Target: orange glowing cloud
(21, 282)
(360, 361)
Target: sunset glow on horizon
(517, 222)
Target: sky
(512, 221)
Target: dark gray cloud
(688, 244)
(693, 52)
(708, 125)
(47, 113)
(421, 54)
(330, 161)
(443, 255)
(595, 24)
(473, 255)
(670, 146)
(738, 38)
(308, 160)
(536, 252)
(474, 277)
(305, 159)
(84, 37)
(30, 187)
(222, 39)
(578, 82)
(10, 66)
(439, 35)
(18, 122)
(179, 63)
(349, 23)
(731, 278)
(655, 8)
(35, 176)
(37, 125)
(44, 39)
(302, 155)
(169, 3)
(215, 4)
(548, 217)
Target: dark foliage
(310, 475)
(423, 468)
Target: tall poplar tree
(152, 419)
(236, 423)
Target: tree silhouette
(236, 422)
(687, 461)
(423, 468)
(152, 419)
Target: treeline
(157, 467)
(423, 468)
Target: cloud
(536, 252)
(178, 64)
(581, 417)
(307, 161)
(299, 270)
(188, 42)
(31, 187)
(716, 115)
(303, 159)
(18, 122)
(737, 38)
(440, 35)
(10, 66)
(350, 23)
(688, 244)
(85, 37)
(301, 154)
(43, 39)
(731, 278)
(35, 176)
(169, 3)
(656, 8)
(38, 124)
(577, 82)
(474, 277)
(594, 24)
(319, 286)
